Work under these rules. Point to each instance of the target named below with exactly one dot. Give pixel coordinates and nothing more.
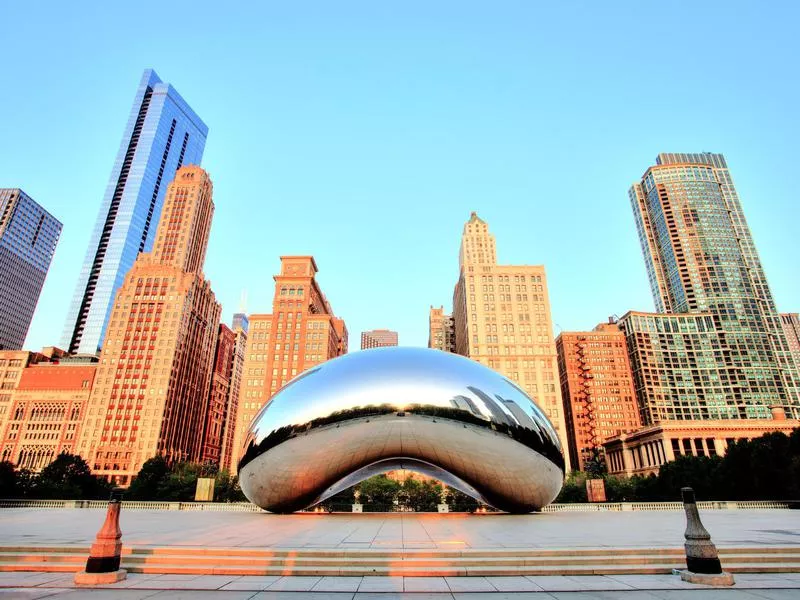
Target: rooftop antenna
(243, 301)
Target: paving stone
(425, 584)
(469, 584)
(293, 584)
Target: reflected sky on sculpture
(388, 408)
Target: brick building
(301, 332)
(597, 389)
(151, 390)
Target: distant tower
(501, 318)
(702, 263)
(163, 133)
(301, 332)
(28, 238)
(441, 330)
(240, 327)
(378, 338)
(151, 395)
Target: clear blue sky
(364, 133)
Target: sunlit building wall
(441, 330)
(597, 389)
(47, 412)
(501, 317)
(151, 391)
(378, 338)
(301, 332)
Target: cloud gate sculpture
(391, 408)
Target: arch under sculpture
(373, 411)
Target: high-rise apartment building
(441, 330)
(163, 133)
(597, 388)
(218, 395)
(301, 332)
(791, 328)
(28, 238)
(378, 338)
(151, 390)
(240, 326)
(501, 317)
(702, 262)
(47, 412)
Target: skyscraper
(791, 327)
(301, 332)
(701, 260)
(501, 317)
(441, 330)
(378, 338)
(597, 388)
(151, 392)
(240, 327)
(163, 133)
(28, 238)
(218, 395)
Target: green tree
(226, 488)
(147, 482)
(378, 493)
(8, 480)
(420, 496)
(573, 490)
(69, 477)
(181, 482)
(341, 502)
(458, 501)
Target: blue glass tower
(28, 238)
(163, 133)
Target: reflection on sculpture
(390, 408)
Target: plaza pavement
(638, 529)
(58, 586)
(47, 527)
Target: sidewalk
(59, 586)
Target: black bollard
(702, 559)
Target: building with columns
(501, 316)
(441, 330)
(301, 332)
(151, 389)
(597, 389)
(644, 451)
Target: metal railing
(552, 508)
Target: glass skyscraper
(163, 133)
(727, 355)
(28, 238)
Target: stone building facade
(301, 332)
(151, 390)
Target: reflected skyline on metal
(415, 408)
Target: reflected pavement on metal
(401, 408)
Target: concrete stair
(408, 563)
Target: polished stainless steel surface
(377, 410)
